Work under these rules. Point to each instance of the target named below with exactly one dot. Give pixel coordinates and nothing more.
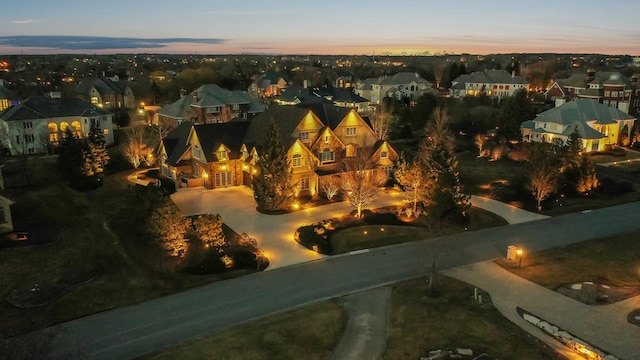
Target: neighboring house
(294, 95)
(6, 223)
(401, 85)
(38, 123)
(317, 138)
(106, 92)
(492, 83)
(612, 89)
(597, 124)
(210, 104)
(269, 85)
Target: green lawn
(371, 236)
(419, 324)
(129, 272)
(613, 261)
(310, 332)
(477, 173)
(606, 158)
(628, 167)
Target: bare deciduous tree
(136, 148)
(361, 181)
(331, 186)
(381, 121)
(411, 175)
(543, 171)
(480, 141)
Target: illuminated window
(94, 100)
(351, 150)
(351, 131)
(297, 160)
(222, 155)
(105, 131)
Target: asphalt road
(137, 330)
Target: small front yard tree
(411, 175)
(136, 149)
(208, 228)
(361, 181)
(543, 170)
(331, 187)
(170, 225)
(272, 187)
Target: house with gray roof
(36, 125)
(268, 85)
(294, 95)
(610, 88)
(106, 92)
(401, 85)
(210, 104)
(598, 125)
(492, 83)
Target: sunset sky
(322, 27)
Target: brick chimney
(195, 96)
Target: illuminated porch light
(296, 206)
(223, 167)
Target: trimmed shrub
(308, 237)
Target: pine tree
(170, 226)
(445, 196)
(208, 228)
(99, 157)
(272, 187)
(71, 155)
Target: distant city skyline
(410, 27)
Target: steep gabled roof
(42, 107)
(330, 115)
(230, 134)
(209, 95)
(286, 118)
(176, 143)
(102, 84)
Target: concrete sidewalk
(511, 214)
(603, 326)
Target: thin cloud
(97, 43)
(25, 21)
(247, 12)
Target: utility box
(512, 252)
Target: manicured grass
(606, 158)
(569, 205)
(419, 324)
(127, 263)
(613, 261)
(310, 332)
(370, 236)
(477, 173)
(628, 167)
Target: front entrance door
(223, 179)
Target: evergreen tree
(445, 195)
(516, 109)
(272, 187)
(97, 146)
(71, 155)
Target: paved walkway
(626, 161)
(365, 334)
(603, 326)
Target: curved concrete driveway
(274, 233)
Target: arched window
(53, 132)
(63, 128)
(77, 129)
(297, 160)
